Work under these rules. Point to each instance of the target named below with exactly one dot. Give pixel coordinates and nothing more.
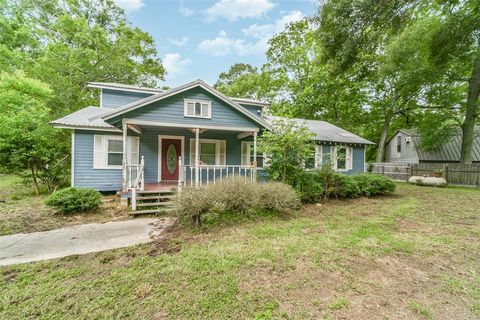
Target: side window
(399, 144)
(108, 151)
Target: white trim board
(159, 154)
(187, 126)
(72, 166)
(64, 126)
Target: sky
(201, 39)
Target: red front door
(171, 151)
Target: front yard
(21, 211)
(415, 254)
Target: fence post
(411, 170)
(445, 169)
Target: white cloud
(222, 45)
(175, 65)
(233, 10)
(130, 5)
(268, 30)
(178, 42)
(184, 11)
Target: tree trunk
(35, 181)
(383, 136)
(471, 112)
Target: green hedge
(320, 185)
(73, 200)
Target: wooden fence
(454, 173)
(394, 171)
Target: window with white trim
(197, 108)
(247, 155)
(341, 158)
(315, 162)
(108, 151)
(212, 152)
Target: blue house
(143, 138)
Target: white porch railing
(134, 176)
(212, 173)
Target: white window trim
(217, 150)
(348, 158)
(104, 151)
(243, 157)
(209, 108)
(318, 156)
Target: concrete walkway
(80, 239)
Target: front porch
(172, 156)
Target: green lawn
(415, 254)
(23, 211)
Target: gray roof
(89, 117)
(327, 132)
(121, 86)
(448, 151)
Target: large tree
(28, 144)
(72, 42)
(242, 80)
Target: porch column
(197, 156)
(124, 157)
(255, 149)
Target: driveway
(80, 239)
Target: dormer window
(198, 108)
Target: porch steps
(153, 202)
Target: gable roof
(327, 132)
(171, 92)
(123, 87)
(86, 118)
(449, 151)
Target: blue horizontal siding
(256, 110)
(358, 161)
(115, 99)
(84, 174)
(171, 110)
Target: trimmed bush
(276, 196)
(73, 200)
(235, 196)
(372, 185)
(346, 186)
(309, 188)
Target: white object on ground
(80, 239)
(428, 181)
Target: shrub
(346, 186)
(309, 187)
(276, 196)
(192, 203)
(72, 200)
(372, 185)
(235, 196)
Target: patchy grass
(22, 211)
(413, 255)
